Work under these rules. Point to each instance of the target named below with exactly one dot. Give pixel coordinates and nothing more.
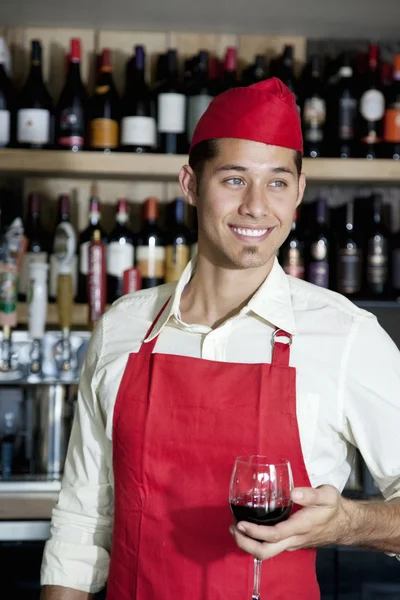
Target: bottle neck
(36, 72)
(121, 218)
(63, 217)
(94, 217)
(74, 71)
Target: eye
(278, 184)
(234, 181)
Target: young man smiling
(236, 358)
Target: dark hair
(208, 149)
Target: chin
(250, 258)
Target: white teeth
(250, 232)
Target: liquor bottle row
(360, 260)
(349, 106)
(160, 255)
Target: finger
(259, 550)
(298, 524)
(324, 495)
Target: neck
(215, 294)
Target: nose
(255, 202)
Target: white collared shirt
(348, 394)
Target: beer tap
(37, 314)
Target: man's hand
(322, 521)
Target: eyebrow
(240, 168)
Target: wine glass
(260, 493)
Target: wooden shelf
(125, 165)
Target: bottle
(71, 111)
(35, 117)
(63, 216)
(171, 110)
(7, 444)
(371, 109)
(6, 97)
(377, 280)
(256, 72)
(85, 239)
(229, 75)
(349, 269)
(38, 243)
(150, 249)
(343, 111)
(314, 109)
(104, 109)
(138, 125)
(319, 248)
(96, 281)
(291, 253)
(284, 69)
(395, 263)
(178, 240)
(392, 114)
(199, 95)
(120, 252)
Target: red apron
(179, 424)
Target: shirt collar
(272, 301)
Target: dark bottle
(343, 111)
(371, 109)
(178, 239)
(35, 117)
(395, 263)
(84, 242)
(319, 248)
(314, 109)
(38, 243)
(377, 281)
(63, 217)
(6, 98)
(104, 109)
(291, 253)
(199, 94)
(349, 268)
(138, 124)
(8, 444)
(120, 252)
(229, 75)
(150, 249)
(71, 109)
(171, 110)
(283, 68)
(256, 72)
(392, 114)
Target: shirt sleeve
(77, 553)
(371, 402)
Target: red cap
(264, 112)
(105, 60)
(75, 53)
(230, 63)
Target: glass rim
(259, 460)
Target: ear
(302, 187)
(188, 183)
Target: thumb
(324, 495)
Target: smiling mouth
(250, 233)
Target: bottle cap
(34, 202)
(75, 52)
(139, 57)
(230, 63)
(63, 204)
(122, 205)
(150, 209)
(396, 66)
(105, 60)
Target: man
(236, 358)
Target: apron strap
(281, 342)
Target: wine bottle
(199, 94)
(349, 269)
(314, 109)
(371, 109)
(85, 239)
(171, 110)
(291, 253)
(343, 111)
(96, 280)
(71, 111)
(138, 125)
(63, 216)
(178, 241)
(256, 72)
(6, 97)
(229, 75)
(120, 252)
(38, 243)
(150, 249)
(319, 247)
(104, 109)
(284, 69)
(392, 114)
(395, 263)
(35, 118)
(377, 281)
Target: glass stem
(257, 579)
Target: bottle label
(28, 259)
(396, 269)
(176, 259)
(104, 133)
(319, 250)
(319, 273)
(197, 105)
(377, 260)
(294, 265)
(392, 124)
(8, 290)
(372, 105)
(71, 124)
(53, 278)
(120, 257)
(171, 113)
(347, 115)
(138, 131)
(349, 271)
(84, 258)
(151, 261)
(96, 282)
(314, 116)
(4, 127)
(33, 126)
